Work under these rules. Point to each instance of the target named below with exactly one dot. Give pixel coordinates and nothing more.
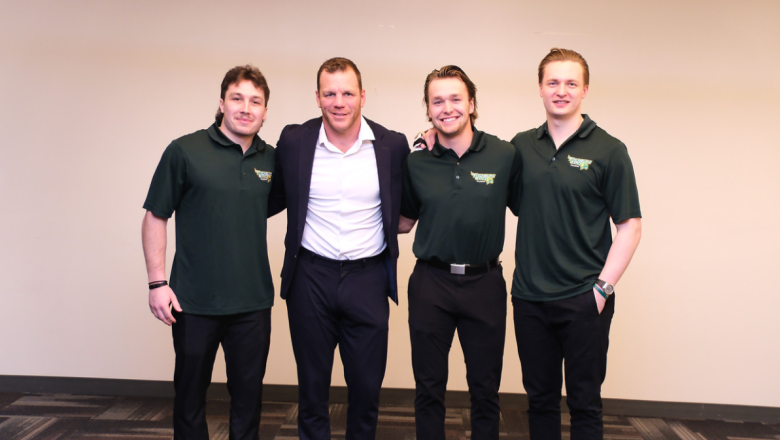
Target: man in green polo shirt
(575, 177)
(217, 182)
(459, 192)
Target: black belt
(462, 269)
(360, 262)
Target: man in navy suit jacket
(339, 176)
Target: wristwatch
(605, 287)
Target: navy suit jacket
(292, 180)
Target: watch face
(609, 289)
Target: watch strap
(600, 291)
(605, 287)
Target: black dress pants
(342, 303)
(245, 339)
(550, 333)
(475, 306)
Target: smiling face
(244, 109)
(449, 106)
(340, 98)
(562, 89)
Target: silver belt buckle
(458, 269)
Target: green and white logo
(580, 163)
(487, 179)
(264, 175)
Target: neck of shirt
(562, 129)
(458, 144)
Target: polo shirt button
(457, 177)
(553, 159)
(245, 174)
(457, 163)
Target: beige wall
(93, 91)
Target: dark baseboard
(87, 385)
(390, 396)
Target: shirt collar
(217, 136)
(585, 129)
(477, 143)
(365, 134)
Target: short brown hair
(452, 72)
(557, 54)
(339, 65)
(243, 73)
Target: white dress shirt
(344, 218)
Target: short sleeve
(619, 186)
(515, 182)
(410, 203)
(168, 182)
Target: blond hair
(557, 54)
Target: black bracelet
(157, 284)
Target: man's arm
(430, 137)
(405, 225)
(515, 183)
(277, 199)
(154, 236)
(620, 253)
(410, 203)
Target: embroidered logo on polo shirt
(487, 179)
(264, 175)
(582, 164)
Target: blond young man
(575, 178)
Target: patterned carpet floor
(71, 417)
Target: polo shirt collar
(477, 143)
(217, 136)
(585, 129)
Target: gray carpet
(70, 417)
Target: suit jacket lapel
(306, 148)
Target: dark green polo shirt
(220, 196)
(567, 198)
(460, 202)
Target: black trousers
(245, 339)
(572, 331)
(475, 305)
(334, 303)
